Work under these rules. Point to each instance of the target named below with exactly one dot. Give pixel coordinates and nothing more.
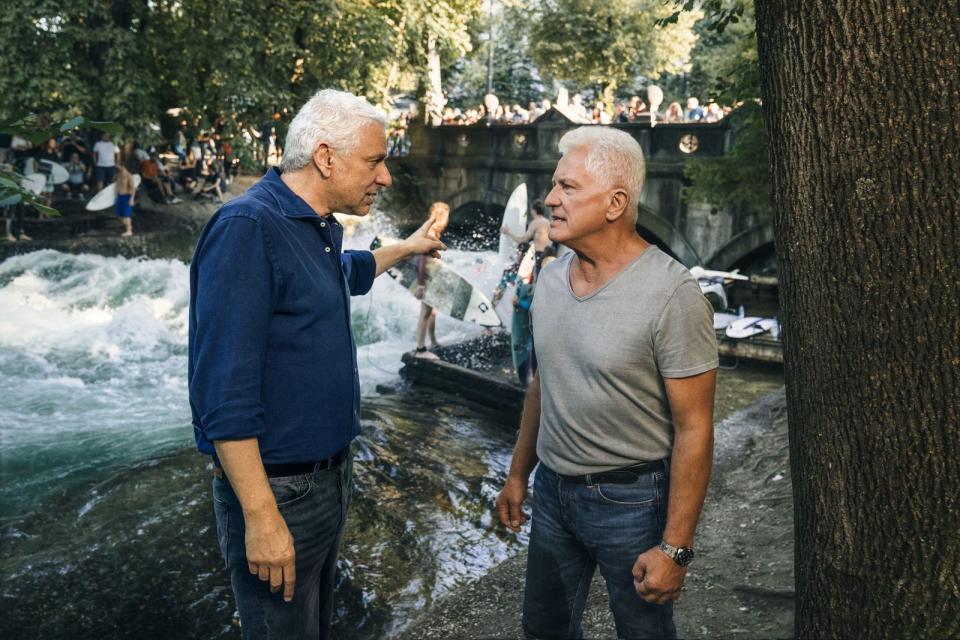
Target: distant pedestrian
(105, 159)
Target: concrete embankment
(741, 583)
(160, 230)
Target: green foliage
(516, 79)
(241, 61)
(37, 129)
(600, 43)
(719, 13)
(740, 178)
(724, 67)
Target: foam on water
(93, 359)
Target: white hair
(330, 116)
(614, 158)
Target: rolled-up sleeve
(360, 267)
(233, 301)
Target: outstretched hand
(424, 240)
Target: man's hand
(656, 577)
(421, 242)
(418, 294)
(510, 503)
(424, 240)
(270, 552)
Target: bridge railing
(536, 142)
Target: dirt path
(741, 584)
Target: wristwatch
(681, 555)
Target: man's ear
(323, 159)
(618, 205)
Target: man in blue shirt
(273, 372)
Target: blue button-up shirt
(271, 352)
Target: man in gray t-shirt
(620, 415)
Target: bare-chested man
(537, 232)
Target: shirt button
(327, 249)
(323, 224)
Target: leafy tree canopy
(599, 43)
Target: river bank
(161, 230)
(739, 586)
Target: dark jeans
(314, 507)
(577, 527)
(104, 174)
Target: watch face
(684, 556)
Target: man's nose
(552, 199)
(384, 179)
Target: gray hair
(614, 158)
(330, 116)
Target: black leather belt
(279, 470)
(282, 469)
(624, 475)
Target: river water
(105, 513)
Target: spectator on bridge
(713, 113)
(638, 109)
(621, 115)
(674, 114)
(576, 107)
(694, 110)
(599, 114)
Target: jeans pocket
(222, 511)
(641, 493)
(289, 490)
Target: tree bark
(860, 100)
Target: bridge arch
(741, 246)
(670, 238)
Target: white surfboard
(723, 320)
(715, 293)
(515, 219)
(107, 197)
(699, 273)
(446, 290)
(34, 183)
(749, 327)
(58, 175)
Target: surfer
(619, 415)
(427, 320)
(537, 232)
(126, 195)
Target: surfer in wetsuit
(427, 321)
(537, 232)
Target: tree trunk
(435, 99)
(860, 100)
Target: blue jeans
(577, 527)
(314, 507)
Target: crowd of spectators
(636, 109)
(198, 167)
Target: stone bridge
(475, 168)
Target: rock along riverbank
(741, 583)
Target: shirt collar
(290, 204)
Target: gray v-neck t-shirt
(602, 359)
